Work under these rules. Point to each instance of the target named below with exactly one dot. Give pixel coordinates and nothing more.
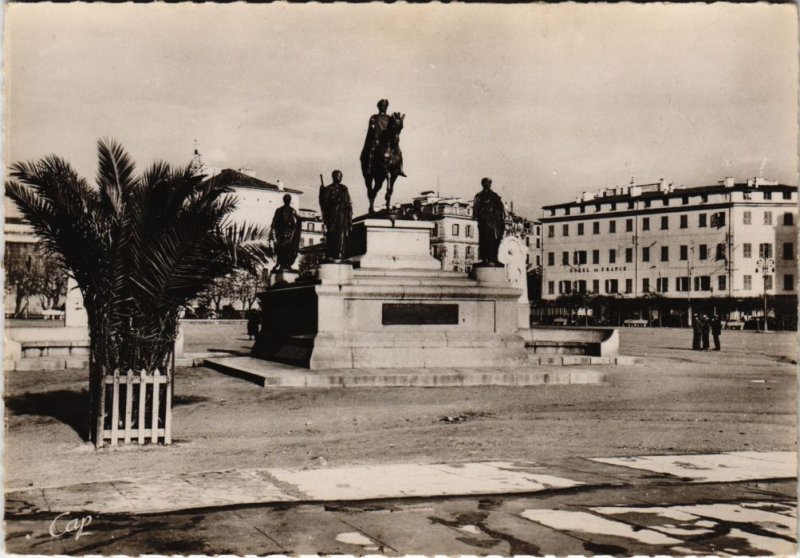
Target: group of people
(702, 325)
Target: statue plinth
(490, 274)
(396, 309)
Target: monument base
(392, 313)
(283, 276)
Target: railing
(140, 408)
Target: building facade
(677, 242)
(313, 229)
(454, 240)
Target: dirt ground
(743, 398)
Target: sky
(547, 100)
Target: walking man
(716, 329)
(706, 328)
(696, 331)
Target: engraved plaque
(420, 314)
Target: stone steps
(270, 374)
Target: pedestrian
(706, 328)
(696, 331)
(716, 329)
(252, 324)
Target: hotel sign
(600, 269)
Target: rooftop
(240, 179)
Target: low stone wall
(595, 341)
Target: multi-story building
(678, 242)
(454, 240)
(313, 229)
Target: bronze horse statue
(382, 160)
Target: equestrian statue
(381, 158)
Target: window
(682, 284)
(703, 198)
(612, 256)
(580, 286)
(747, 217)
(718, 219)
(565, 229)
(685, 200)
(662, 284)
(612, 286)
(468, 232)
(703, 249)
(596, 227)
(767, 195)
(583, 209)
(787, 195)
(684, 253)
(748, 282)
(788, 250)
(456, 254)
(628, 285)
(722, 282)
(628, 225)
(564, 258)
(702, 220)
(613, 206)
(455, 229)
(566, 211)
(564, 287)
(580, 229)
(788, 282)
(768, 217)
(470, 253)
(768, 282)
(612, 226)
(597, 208)
(630, 204)
(747, 250)
(664, 222)
(665, 202)
(551, 231)
(628, 255)
(665, 253)
(538, 243)
(645, 223)
(646, 285)
(788, 219)
(646, 254)
(647, 203)
(720, 251)
(765, 250)
(579, 257)
(595, 256)
(595, 285)
(551, 287)
(551, 258)
(702, 283)
(684, 221)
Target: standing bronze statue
(381, 158)
(337, 214)
(487, 208)
(285, 235)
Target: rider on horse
(381, 158)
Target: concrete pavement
(736, 503)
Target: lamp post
(766, 267)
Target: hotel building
(697, 242)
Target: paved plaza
(688, 453)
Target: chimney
(279, 184)
(728, 182)
(662, 185)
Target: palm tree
(139, 248)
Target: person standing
(488, 210)
(716, 330)
(285, 234)
(697, 330)
(337, 214)
(706, 328)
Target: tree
(139, 247)
(51, 284)
(21, 275)
(246, 285)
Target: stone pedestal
(395, 310)
(335, 273)
(393, 244)
(490, 275)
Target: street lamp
(766, 267)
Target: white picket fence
(150, 425)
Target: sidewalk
(738, 503)
(176, 492)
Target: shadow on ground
(67, 406)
